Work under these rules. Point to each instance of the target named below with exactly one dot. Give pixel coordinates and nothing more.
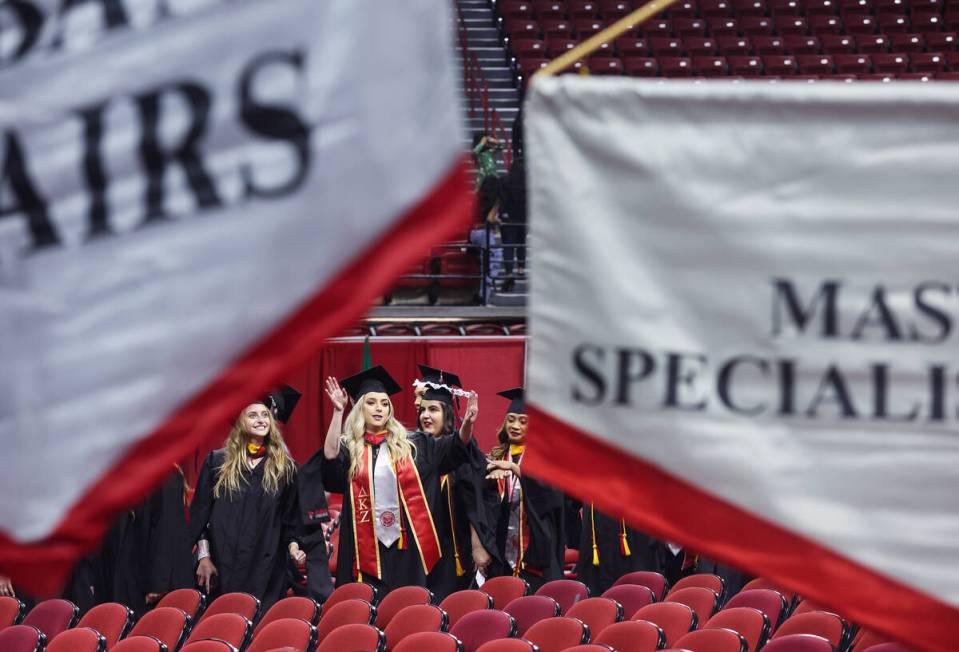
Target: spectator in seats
(608, 548)
(514, 216)
(245, 513)
(485, 148)
(379, 466)
(485, 235)
(530, 535)
(466, 539)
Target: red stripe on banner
(675, 510)
(41, 567)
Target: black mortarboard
(517, 404)
(281, 402)
(374, 379)
(439, 377)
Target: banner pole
(594, 42)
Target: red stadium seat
(751, 623)
(515, 9)
(604, 50)
(478, 627)
(890, 23)
(582, 9)
(429, 642)
(856, 7)
(767, 600)
(779, 65)
(820, 25)
(710, 66)
(799, 643)
(565, 592)
(756, 26)
(723, 26)
(816, 64)
(112, 619)
(403, 596)
(517, 329)
(168, 625)
(353, 637)
(907, 42)
(866, 638)
(22, 638)
(586, 27)
(733, 46)
(703, 601)
(830, 626)
(522, 28)
(665, 46)
(890, 63)
(889, 647)
(632, 636)
(549, 10)
(704, 580)
(605, 66)
(140, 644)
(853, 64)
(557, 634)
(785, 7)
(821, 7)
(684, 8)
(557, 28)
(531, 609)
(675, 66)
(837, 44)
(927, 22)
(211, 645)
(508, 645)
(657, 27)
(234, 603)
(587, 647)
(11, 611)
(530, 48)
(632, 597)
(81, 639)
(927, 62)
(655, 582)
(746, 66)
(458, 604)
(53, 616)
(439, 330)
(504, 589)
(673, 618)
(613, 10)
(750, 8)
(792, 26)
(712, 640)
(414, 619)
(597, 613)
(714, 8)
(697, 46)
(856, 24)
(292, 607)
(351, 591)
(191, 601)
(631, 46)
(232, 628)
(872, 44)
(641, 67)
(347, 612)
(558, 45)
(291, 632)
(684, 27)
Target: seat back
(351, 591)
(505, 589)
(704, 580)
(632, 597)
(508, 645)
(712, 640)
(191, 601)
(769, 601)
(674, 618)
(703, 601)
(398, 598)
(166, 624)
(211, 645)
(460, 603)
(356, 636)
(11, 611)
(53, 616)
(799, 643)
(821, 623)
(231, 628)
(597, 613)
(565, 592)
(413, 619)
(751, 623)
(478, 627)
(244, 604)
(867, 638)
(889, 647)
(112, 619)
(429, 642)
(292, 607)
(632, 636)
(285, 632)
(80, 639)
(531, 609)
(140, 644)
(22, 638)
(348, 612)
(558, 633)
(654, 581)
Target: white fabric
(386, 498)
(101, 340)
(662, 215)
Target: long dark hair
(448, 425)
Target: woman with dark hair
(245, 513)
(465, 536)
(390, 480)
(529, 515)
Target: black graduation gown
(544, 509)
(612, 562)
(314, 512)
(435, 456)
(249, 533)
(147, 550)
(463, 490)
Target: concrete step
(481, 30)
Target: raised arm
(472, 409)
(338, 396)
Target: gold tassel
(625, 541)
(592, 519)
(459, 567)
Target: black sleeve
(202, 504)
(312, 491)
(445, 454)
(335, 473)
(170, 558)
(470, 493)
(291, 523)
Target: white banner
(751, 287)
(173, 188)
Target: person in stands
(245, 513)
(530, 535)
(390, 479)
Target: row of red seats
(611, 10)
(398, 329)
(628, 47)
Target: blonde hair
(397, 439)
(279, 467)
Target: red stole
(366, 550)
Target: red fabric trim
(366, 557)
(41, 567)
(673, 509)
(418, 513)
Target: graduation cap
(374, 379)
(281, 402)
(440, 377)
(517, 404)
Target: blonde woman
(245, 514)
(390, 479)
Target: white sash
(386, 500)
